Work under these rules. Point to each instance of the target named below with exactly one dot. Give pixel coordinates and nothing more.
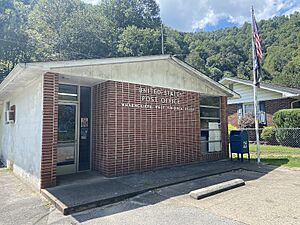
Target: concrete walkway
(267, 198)
(89, 190)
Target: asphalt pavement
(271, 198)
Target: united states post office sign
(159, 98)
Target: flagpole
(256, 121)
(255, 101)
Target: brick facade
(129, 137)
(233, 115)
(224, 129)
(50, 125)
(271, 107)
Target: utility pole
(162, 40)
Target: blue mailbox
(239, 143)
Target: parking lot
(271, 198)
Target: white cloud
(185, 15)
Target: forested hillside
(44, 30)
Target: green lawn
(282, 161)
(275, 149)
(277, 155)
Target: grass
(275, 149)
(282, 161)
(277, 155)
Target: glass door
(67, 138)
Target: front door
(67, 139)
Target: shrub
(247, 121)
(268, 135)
(231, 127)
(287, 118)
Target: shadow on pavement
(276, 161)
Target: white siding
(21, 142)
(246, 93)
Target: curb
(215, 189)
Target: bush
(287, 118)
(268, 135)
(247, 121)
(231, 127)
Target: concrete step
(90, 193)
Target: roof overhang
(160, 71)
(285, 94)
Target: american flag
(257, 51)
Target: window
(262, 118)
(210, 124)
(296, 105)
(7, 108)
(249, 108)
(10, 113)
(67, 92)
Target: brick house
(271, 99)
(115, 116)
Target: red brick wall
(50, 124)
(128, 139)
(224, 127)
(273, 106)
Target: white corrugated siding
(246, 93)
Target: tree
(43, 30)
(196, 61)
(139, 13)
(14, 47)
(174, 42)
(88, 34)
(137, 42)
(46, 24)
(215, 74)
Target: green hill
(45, 30)
(227, 52)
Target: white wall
(21, 142)
(246, 93)
(157, 73)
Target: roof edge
(88, 62)
(289, 94)
(221, 87)
(10, 77)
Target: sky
(208, 15)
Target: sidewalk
(89, 190)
